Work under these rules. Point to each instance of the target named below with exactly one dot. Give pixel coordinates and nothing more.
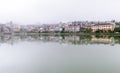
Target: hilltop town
(68, 27)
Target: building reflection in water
(69, 39)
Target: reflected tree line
(63, 39)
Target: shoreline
(64, 34)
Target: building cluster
(89, 26)
(76, 26)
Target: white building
(103, 26)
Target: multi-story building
(16, 28)
(71, 27)
(103, 26)
(117, 25)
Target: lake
(59, 54)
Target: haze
(54, 11)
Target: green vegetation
(117, 30)
(89, 30)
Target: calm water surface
(59, 54)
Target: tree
(89, 30)
(117, 30)
(63, 30)
(99, 31)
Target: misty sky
(54, 11)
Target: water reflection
(29, 54)
(69, 39)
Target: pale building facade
(103, 26)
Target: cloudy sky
(54, 11)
